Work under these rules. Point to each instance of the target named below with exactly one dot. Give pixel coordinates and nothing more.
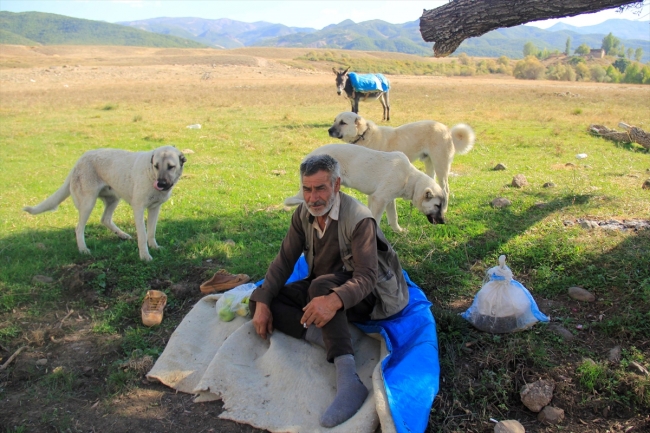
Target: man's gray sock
(350, 393)
(315, 335)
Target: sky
(295, 13)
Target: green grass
(228, 208)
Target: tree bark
(449, 25)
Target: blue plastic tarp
(411, 369)
(364, 83)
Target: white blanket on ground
(281, 384)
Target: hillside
(220, 33)
(377, 35)
(33, 28)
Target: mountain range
(373, 35)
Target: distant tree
(638, 54)
(567, 51)
(645, 73)
(630, 52)
(545, 54)
(583, 50)
(504, 60)
(633, 74)
(613, 74)
(621, 65)
(530, 49)
(611, 44)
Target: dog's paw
(154, 246)
(124, 236)
(146, 257)
(84, 250)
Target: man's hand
(263, 320)
(320, 310)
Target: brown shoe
(222, 280)
(152, 307)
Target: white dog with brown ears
(427, 140)
(142, 179)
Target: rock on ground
(519, 181)
(538, 394)
(501, 202)
(509, 426)
(580, 294)
(551, 415)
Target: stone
(540, 205)
(188, 151)
(509, 426)
(580, 294)
(614, 355)
(519, 181)
(499, 167)
(41, 362)
(551, 415)
(501, 202)
(229, 242)
(646, 184)
(538, 394)
(561, 331)
(548, 185)
(42, 279)
(569, 164)
(588, 224)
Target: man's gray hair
(316, 163)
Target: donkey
(343, 83)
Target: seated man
(354, 275)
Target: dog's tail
(53, 201)
(463, 138)
(294, 200)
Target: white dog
(142, 179)
(429, 141)
(383, 176)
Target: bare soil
(64, 338)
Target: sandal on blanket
(222, 280)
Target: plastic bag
(503, 305)
(234, 302)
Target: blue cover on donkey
(364, 83)
(411, 370)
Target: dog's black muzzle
(334, 133)
(164, 185)
(435, 219)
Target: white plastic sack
(503, 305)
(235, 302)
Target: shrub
(598, 74)
(582, 72)
(621, 65)
(529, 69)
(561, 72)
(614, 74)
(633, 74)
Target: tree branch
(449, 25)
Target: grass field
(260, 115)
